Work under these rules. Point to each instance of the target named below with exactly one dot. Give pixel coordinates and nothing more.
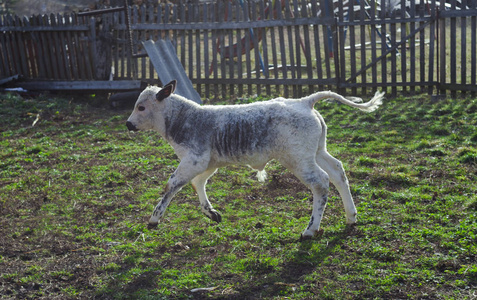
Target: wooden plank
(198, 47)
(42, 28)
(256, 47)
(463, 47)
(239, 15)
(274, 49)
(248, 45)
(432, 57)
(142, 36)
(30, 51)
(62, 51)
(174, 19)
(167, 21)
(453, 51)
(412, 47)
(122, 38)
(77, 51)
(341, 47)
(64, 47)
(130, 71)
(295, 34)
(48, 46)
(227, 25)
(45, 52)
(85, 46)
(373, 17)
(394, 54)
(326, 15)
(22, 49)
(264, 45)
(12, 49)
(231, 12)
(182, 38)
(352, 43)
(58, 48)
(271, 81)
(4, 70)
(103, 50)
(473, 43)
(380, 85)
(95, 85)
(200, 88)
(79, 41)
(291, 49)
(459, 87)
(362, 30)
(422, 52)
(153, 35)
(222, 47)
(317, 44)
(384, 43)
(281, 37)
(215, 43)
(36, 52)
(336, 56)
(403, 49)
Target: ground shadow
(305, 260)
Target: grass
(76, 191)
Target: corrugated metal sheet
(164, 59)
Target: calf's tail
(369, 106)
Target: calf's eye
(141, 108)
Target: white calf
(208, 137)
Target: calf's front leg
(183, 175)
(198, 183)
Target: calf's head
(148, 106)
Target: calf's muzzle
(131, 126)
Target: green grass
(76, 191)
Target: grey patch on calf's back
(242, 134)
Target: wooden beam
(94, 85)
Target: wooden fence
(283, 47)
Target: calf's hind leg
(198, 183)
(317, 180)
(337, 175)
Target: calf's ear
(167, 90)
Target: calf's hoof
(305, 237)
(351, 220)
(215, 216)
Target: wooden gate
(458, 47)
(415, 45)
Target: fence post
(93, 51)
(442, 49)
(336, 53)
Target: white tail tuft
(374, 103)
(369, 106)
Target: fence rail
(232, 48)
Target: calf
(209, 137)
